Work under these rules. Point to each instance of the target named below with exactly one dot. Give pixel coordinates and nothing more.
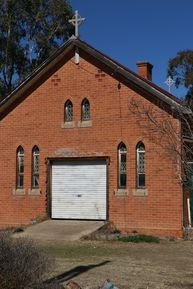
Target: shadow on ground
(74, 272)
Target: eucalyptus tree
(180, 68)
(30, 30)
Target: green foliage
(139, 238)
(180, 68)
(172, 239)
(18, 230)
(116, 231)
(29, 32)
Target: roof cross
(76, 21)
(169, 81)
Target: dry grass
(129, 265)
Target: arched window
(20, 168)
(35, 167)
(68, 111)
(122, 168)
(85, 109)
(140, 165)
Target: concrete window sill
(34, 192)
(68, 124)
(85, 123)
(140, 192)
(19, 192)
(121, 192)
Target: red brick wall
(37, 121)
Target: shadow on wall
(74, 272)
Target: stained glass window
(68, 111)
(85, 110)
(122, 172)
(20, 167)
(140, 165)
(35, 167)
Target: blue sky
(134, 30)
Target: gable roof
(117, 70)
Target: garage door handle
(79, 196)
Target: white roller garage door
(79, 189)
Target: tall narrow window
(35, 167)
(140, 165)
(68, 111)
(20, 168)
(122, 171)
(85, 109)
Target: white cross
(76, 21)
(169, 81)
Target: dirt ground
(129, 265)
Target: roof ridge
(136, 74)
(127, 73)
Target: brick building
(77, 142)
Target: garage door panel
(79, 190)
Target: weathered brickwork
(38, 119)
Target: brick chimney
(145, 69)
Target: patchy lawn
(128, 265)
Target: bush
(22, 263)
(139, 238)
(18, 230)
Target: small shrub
(18, 230)
(22, 264)
(139, 238)
(172, 239)
(116, 231)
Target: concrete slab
(60, 230)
